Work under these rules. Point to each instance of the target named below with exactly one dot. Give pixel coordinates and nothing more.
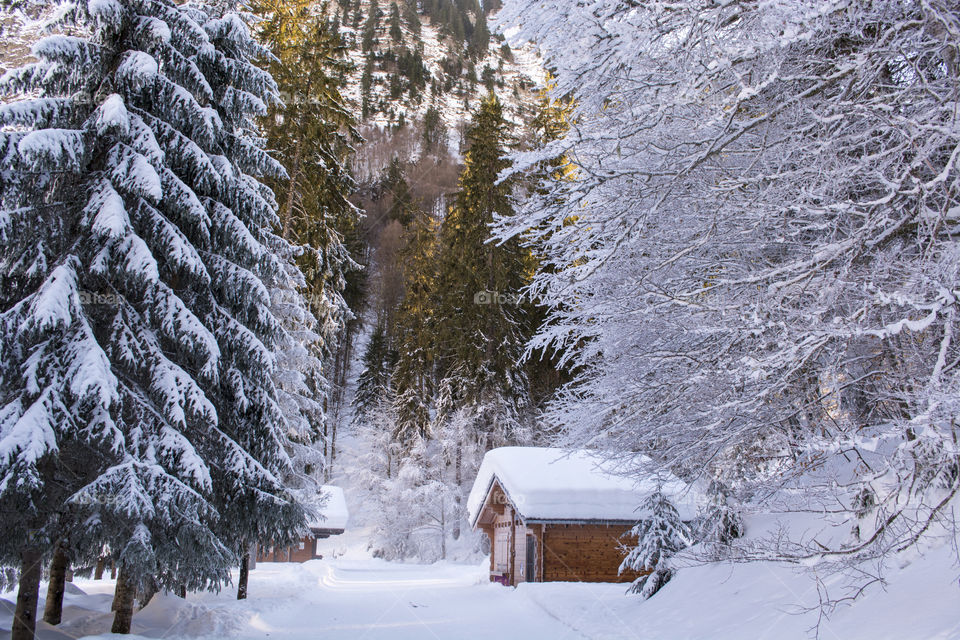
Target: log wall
(297, 553)
(583, 553)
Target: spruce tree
(373, 383)
(479, 38)
(659, 535)
(721, 522)
(434, 131)
(414, 332)
(483, 323)
(397, 190)
(369, 42)
(396, 34)
(313, 133)
(137, 342)
(412, 17)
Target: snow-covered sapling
(721, 522)
(660, 534)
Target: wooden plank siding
(301, 552)
(583, 553)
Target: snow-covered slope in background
(517, 77)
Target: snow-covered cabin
(559, 515)
(332, 521)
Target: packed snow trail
(375, 599)
(366, 599)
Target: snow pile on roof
(334, 510)
(556, 484)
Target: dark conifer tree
(396, 33)
(137, 343)
(483, 324)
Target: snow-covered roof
(552, 484)
(334, 511)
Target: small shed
(559, 515)
(332, 520)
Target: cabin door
(531, 563)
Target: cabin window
(302, 546)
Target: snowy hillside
(453, 81)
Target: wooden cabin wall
(300, 552)
(588, 553)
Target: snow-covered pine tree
(138, 252)
(660, 534)
(374, 381)
(720, 522)
(260, 506)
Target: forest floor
(349, 594)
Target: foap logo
(91, 499)
(496, 298)
(92, 297)
(500, 498)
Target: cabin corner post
(512, 548)
(541, 556)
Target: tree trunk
(53, 611)
(182, 591)
(287, 221)
(113, 570)
(244, 576)
(147, 595)
(339, 387)
(28, 591)
(457, 498)
(98, 572)
(123, 598)
(443, 530)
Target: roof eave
(600, 521)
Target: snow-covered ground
(352, 596)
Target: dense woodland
(234, 234)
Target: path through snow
(350, 599)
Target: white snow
(56, 303)
(30, 437)
(112, 114)
(49, 148)
(334, 512)
(349, 595)
(109, 213)
(546, 483)
(138, 68)
(134, 172)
